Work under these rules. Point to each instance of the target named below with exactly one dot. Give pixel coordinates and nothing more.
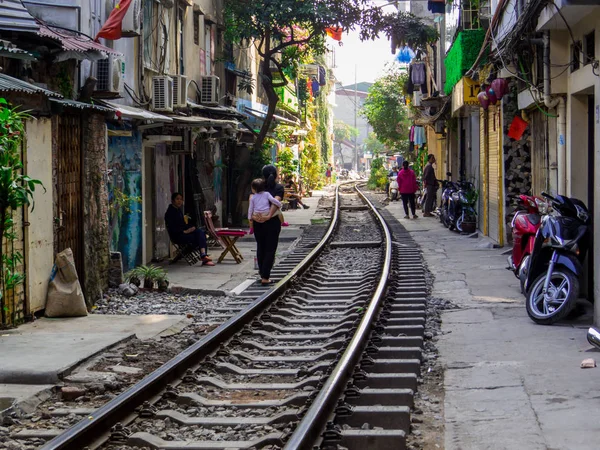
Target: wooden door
(69, 232)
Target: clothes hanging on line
(436, 7)
(411, 133)
(419, 136)
(410, 87)
(322, 76)
(418, 73)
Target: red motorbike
(525, 224)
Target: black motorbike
(461, 206)
(556, 264)
(448, 188)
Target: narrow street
(293, 225)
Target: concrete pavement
(226, 276)
(509, 383)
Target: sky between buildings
(369, 57)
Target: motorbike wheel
(562, 295)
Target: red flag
(112, 28)
(334, 33)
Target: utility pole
(356, 116)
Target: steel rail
(314, 421)
(90, 430)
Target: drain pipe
(561, 126)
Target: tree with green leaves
(286, 32)
(342, 132)
(373, 145)
(16, 191)
(386, 112)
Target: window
(181, 38)
(197, 27)
(589, 48)
(575, 57)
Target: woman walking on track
(267, 227)
(328, 173)
(407, 185)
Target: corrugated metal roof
(15, 17)
(130, 112)
(10, 50)
(75, 42)
(80, 105)
(10, 84)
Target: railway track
(328, 357)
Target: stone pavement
(226, 276)
(509, 383)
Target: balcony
(573, 12)
(461, 56)
(288, 100)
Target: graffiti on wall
(125, 192)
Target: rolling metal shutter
(495, 197)
(483, 172)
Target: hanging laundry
(411, 134)
(410, 87)
(315, 86)
(420, 138)
(411, 146)
(418, 73)
(322, 76)
(436, 6)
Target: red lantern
(483, 99)
(491, 95)
(500, 87)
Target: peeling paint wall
(125, 165)
(39, 235)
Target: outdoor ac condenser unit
(209, 90)
(131, 24)
(110, 73)
(180, 86)
(162, 94)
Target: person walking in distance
(407, 186)
(431, 185)
(267, 227)
(328, 173)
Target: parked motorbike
(448, 188)
(525, 223)
(556, 264)
(593, 337)
(461, 206)
(393, 189)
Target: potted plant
(133, 277)
(150, 274)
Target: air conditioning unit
(209, 90)
(180, 86)
(162, 94)
(131, 24)
(110, 73)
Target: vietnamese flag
(334, 33)
(112, 28)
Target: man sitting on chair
(183, 234)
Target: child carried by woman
(261, 201)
